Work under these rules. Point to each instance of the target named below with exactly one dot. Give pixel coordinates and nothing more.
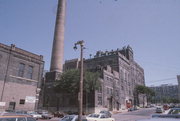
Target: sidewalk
(120, 111)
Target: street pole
(81, 43)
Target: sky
(150, 27)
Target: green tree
(150, 94)
(69, 82)
(141, 89)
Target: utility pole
(80, 95)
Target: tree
(150, 94)
(141, 89)
(69, 82)
(68, 86)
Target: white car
(99, 117)
(35, 115)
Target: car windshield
(94, 115)
(174, 111)
(7, 119)
(68, 118)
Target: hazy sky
(150, 27)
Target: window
(30, 72)
(22, 101)
(111, 91)
(30, 119)
(100, 89)
(21, 119)
(8, 119)
(99, 100)
(107, 90)
(21, 69)
(122, 87)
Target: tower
(58, 42)
(49, 97)
(57, 55)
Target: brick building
(119, 76)
(20, 77)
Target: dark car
(174, 111)
(132, 108)
(58, 114)
(21, 112)
(16, 117)
(106, 112)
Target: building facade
(119, 76)
(165, 93)
(178, 79)
(20, 78)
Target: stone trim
(23, 78)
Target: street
(126, 116)
(134, 115)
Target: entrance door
(110, 104)
(12, 106)
(117, 105)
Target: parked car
(16, 117)
(159, 110)
(35, 115)
(159, 119)
(58, 114)
(21, 112)
(46, 115)
(106, 112)
(172, 116)
(174, 111)
(166, 107)
(132, 109)
(99, 117)
(72, 118)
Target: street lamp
(80, 95)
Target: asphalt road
(134, 115)
(125, 116)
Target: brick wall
(19, 87)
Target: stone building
(119, 76)
(165, 92)
(20, 77)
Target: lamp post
(80, 95)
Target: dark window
(30, 72)
(22, 101)
(122, 87)
(8, 119)
(21, 119)
(99, 100)
(21, 69)
(30, 119)
(12, 105)
(100, 90)
(107, 90)
(111, 91)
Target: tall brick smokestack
(58, 42)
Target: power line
(161, 80)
